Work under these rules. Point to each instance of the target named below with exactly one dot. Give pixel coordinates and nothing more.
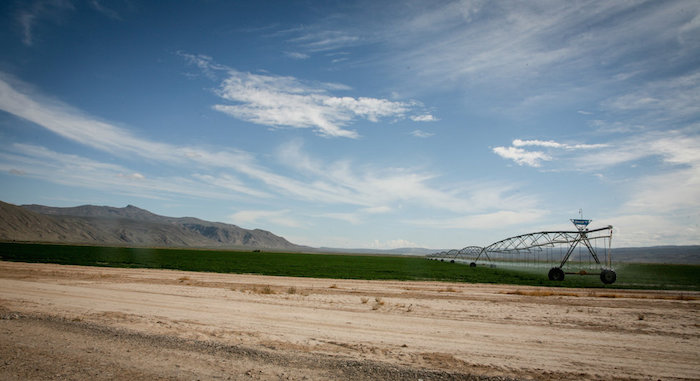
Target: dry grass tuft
(448, 289)
(541, 293)
(292, 290)
(267, 290)
(378, 303)
(364, 300)
(333, 286)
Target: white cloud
(522, 157)
(553, 144)
(421, 134)
(72, 124)
(278, 101)
(297, 55)
(423, 118)
(535, 158)
(133, 176)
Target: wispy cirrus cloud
(288, 102)
(553, 144)
(322, 40)
(421, 134)
(297, 55)
(40, 11)
(226, 172)
(489, 42)
(660, 102)
(424, 118)
(74, 170)
(278, 101)
(522, 156)
(377, 189)
(105, 10)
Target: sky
(360, 124)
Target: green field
(644, 276)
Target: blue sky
(360, 124)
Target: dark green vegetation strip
(676, 277)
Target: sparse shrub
(378, 302)
(267, 290)
(292, 290)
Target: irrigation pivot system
(583, 252)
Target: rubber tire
(556, 274)
(473, 264)
(452, 261)
(608, 276)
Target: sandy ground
(86, 323)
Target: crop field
(640, 276)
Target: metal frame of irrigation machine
(538, 244)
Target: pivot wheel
(556, 273)
(608, 276)
(473, 264)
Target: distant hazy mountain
(129, 226)
(689, 255)
(413, 251)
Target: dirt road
(86, 323)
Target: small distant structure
(581, 252)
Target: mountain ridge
(129, 226)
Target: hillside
(128, 226)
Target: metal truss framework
(534, 243)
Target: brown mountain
(129, 226)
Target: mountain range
(128, 226)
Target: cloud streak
(278, 101)
(522, 156)
(288, 102)
(226, 173)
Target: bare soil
(89, 323)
